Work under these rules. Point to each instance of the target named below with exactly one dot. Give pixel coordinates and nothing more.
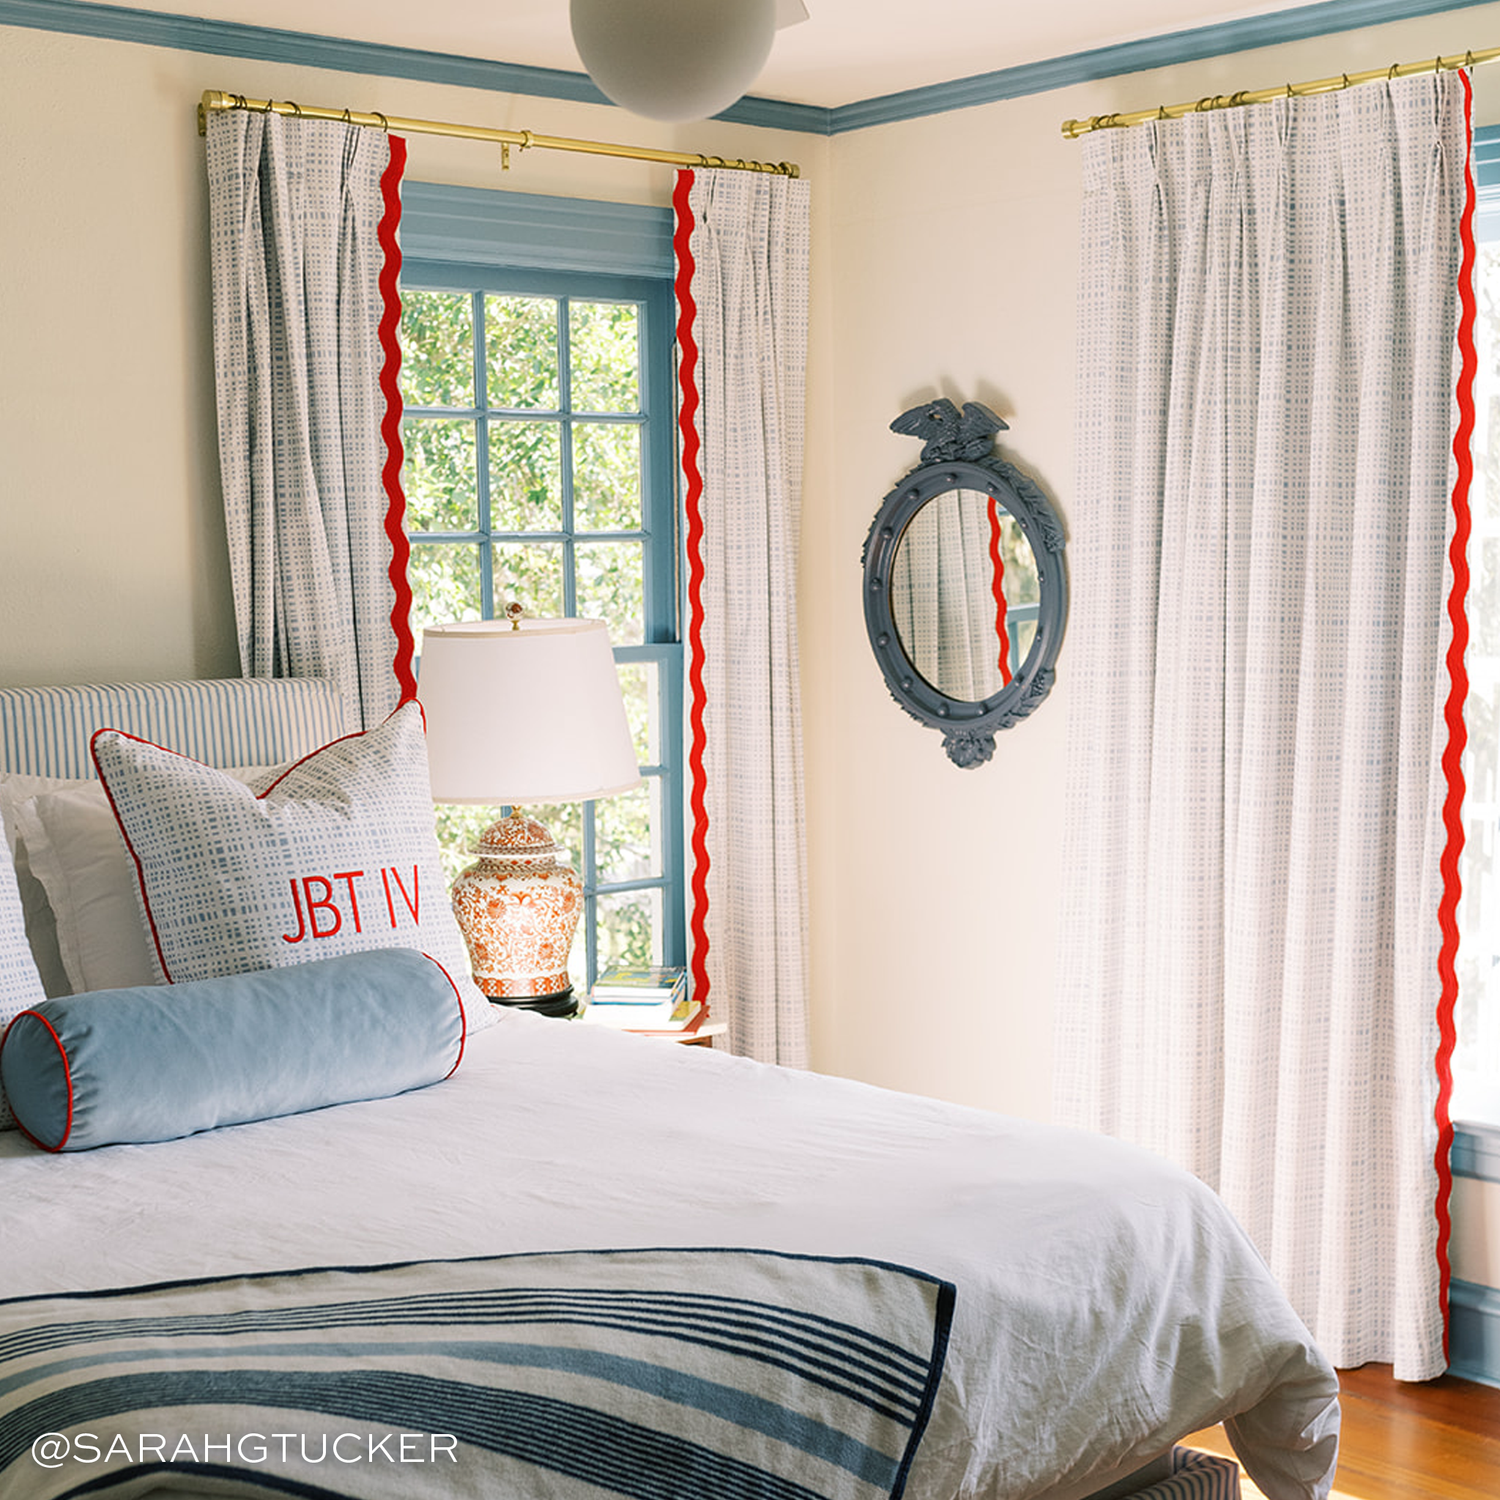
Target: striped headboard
(45, 731)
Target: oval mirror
(965, 583)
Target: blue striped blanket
(700, 1374)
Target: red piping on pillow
(62, 1051)
(390, 425)
(463, 1020)
(140, 871)
(687, 379)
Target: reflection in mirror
(965, 594)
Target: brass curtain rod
(526, 140)
(1075, 128)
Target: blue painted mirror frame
(958, 454)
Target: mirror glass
(965, 594)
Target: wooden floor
(1435, 1441)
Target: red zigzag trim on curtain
(390, 426)
(997, 588)
(687, 421)
(1458, 691)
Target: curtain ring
(295, 108)
(385, 124)
(1394, 74)
(348, 119)
(270, 107)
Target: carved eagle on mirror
(948, 433)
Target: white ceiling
(847, 50)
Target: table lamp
(519, 711)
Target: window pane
(610, 588)
(525, 476)
(630, 925)
(640, 686)
(604, 356)
(520, 342)
(440, 474)
(444, 584)
(459, 828)
(437, 348)
(606, 476)
(531, 574)
(625, 846)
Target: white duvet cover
(1107, 1304)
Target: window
(540, 468)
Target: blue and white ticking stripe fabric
(1196, 1476)
(701, 1374)
(45, 731)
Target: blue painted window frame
(487, 240)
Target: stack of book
(644, 998)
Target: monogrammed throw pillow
(335, 855)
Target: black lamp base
(563, 1005)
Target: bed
(581, 1263)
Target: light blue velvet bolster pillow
(162, 1061)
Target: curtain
(742, 266)
(948, 595)
(303, 218)
(1258, 814)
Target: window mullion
(482, 464)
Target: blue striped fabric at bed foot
(1196, 1476)
(655, 1374)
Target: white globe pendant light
(673, 60)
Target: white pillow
(86, 909)
(336, 855)
(41, 924)
(20, 985)
(73, 846)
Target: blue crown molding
(302, 49)
(1323, 19)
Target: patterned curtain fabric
(948, 595)
(303, 216)
(1269, 303)
(742, 257)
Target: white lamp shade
(528, 714)
(673, 59)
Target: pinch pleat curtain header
(304, 259)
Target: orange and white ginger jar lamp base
(518, 907)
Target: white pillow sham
(82, 906)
